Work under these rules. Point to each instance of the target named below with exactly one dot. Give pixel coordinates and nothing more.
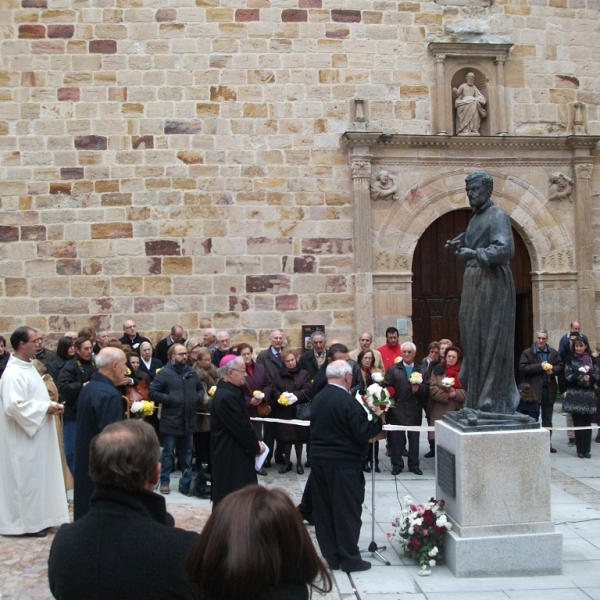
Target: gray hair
(408, 345)
(230, 366)
(337, 369)
(210, 331)
(542, 330)
(107, 356)
(316, 333)
(273, 333)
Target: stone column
(500, 96)
(584, 250)
(363, 255)
(441, 127)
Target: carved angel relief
(561, 186)
(385, 186)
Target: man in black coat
(234, 442)
(131, 337)
(410, 399)
(100, 403)
(125, 547)
(161, 352)
(178, 389)
(73, 377)
(316, 356)
(340, 433)
(542, 380)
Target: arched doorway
(437, 285)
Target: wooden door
(437, 286)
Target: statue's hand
(465, 253)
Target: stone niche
(452, 63)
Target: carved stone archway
(430, 172)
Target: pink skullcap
(227, 358)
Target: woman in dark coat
(581, 373)
(65, 351)
(444, 398)
(294, 380)
(148, 364)
(200, 359)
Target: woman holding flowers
(581, 373)
(445, 392)
(370, 374)
(290, 386)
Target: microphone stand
(373, 548)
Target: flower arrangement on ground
(422, 531)
(142, 408)
(376, 400)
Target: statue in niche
(561, 186)
(385, 186)
(488, 302)
(469, 103)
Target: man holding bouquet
(411, 395)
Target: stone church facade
(217, 162)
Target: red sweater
(389, 353)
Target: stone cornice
(370, 139)
(471, 49)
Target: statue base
(496, 486)
(469, 419)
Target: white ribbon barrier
(393, 427)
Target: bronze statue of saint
(488, 302)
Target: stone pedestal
(496, 486)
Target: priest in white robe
(32, 491)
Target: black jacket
(532, 372)
(70, 383)
(308, 362)
(135, 343)
(161, 352)
(125, 548)
(339, 429)
(180, 391)
(409, 407)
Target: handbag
(263, 409)
(303, 411)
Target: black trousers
(583, 437)
(547, 405)
(397, 443)
(337, 496)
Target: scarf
(585, 359)
(453, 372)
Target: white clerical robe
(32, 491)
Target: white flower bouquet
(376, 400)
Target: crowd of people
(66, 406)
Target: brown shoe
(165, 488)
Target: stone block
(294, 15)
(183, 127)
(9, 234)
(166, 14)
(62, 249)
(68, 266)
(267, 283)
(61, 31)
(66, 306)
(265, 245)
(71, 173)
(16, 286)
(91, 142)
(157, 286)
(191, 157)
(44, 287)
(91, 287)
(244, 15)
(30, 31)
(144, 142)
(111, 230)
(126, 286)
(177, 265)
(286, 302)
(103, 46)
(163, 248)
(346, 16)
(326, 246)
(240, 303)
(148, 305)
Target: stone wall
(182, 161)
